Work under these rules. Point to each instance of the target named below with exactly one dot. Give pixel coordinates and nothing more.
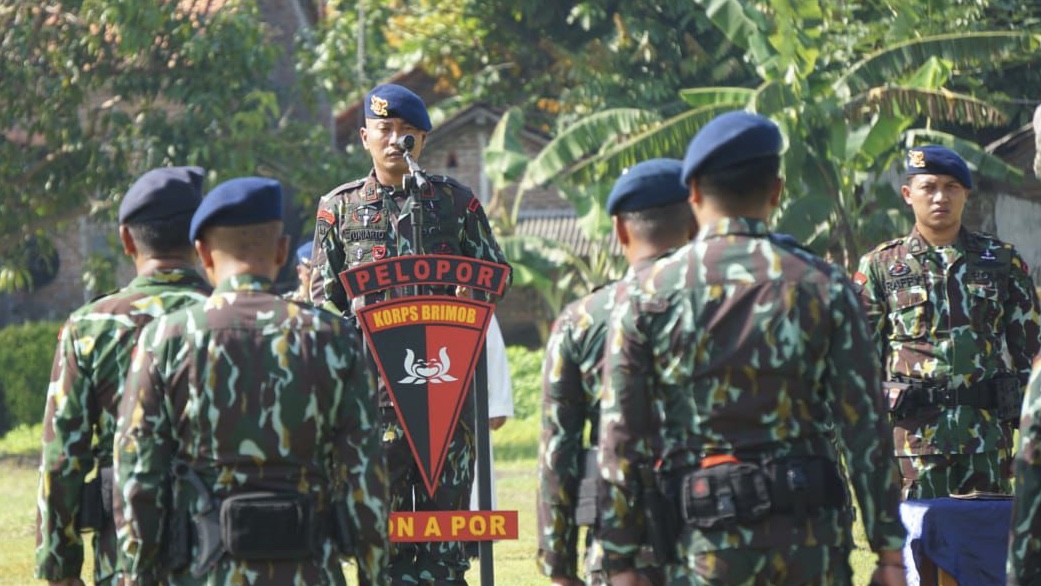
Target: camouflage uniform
(951, 314)
(362, 222)
(754, 349)
(571, 385)
(1024, 558)
(254, 393)
(90, 367)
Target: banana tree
(549, 266)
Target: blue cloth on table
(967, 538)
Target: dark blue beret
(239, 202)
(648, 184)
(394, 101)
(303, 252)
(729, 139)
(786, 239)
(938, 160)
(162, 193)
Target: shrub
(526, 374)
(26, 354)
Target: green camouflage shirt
(256, 394)
(743, 346)
(958, 314)
(90, 365)
(571, 375)
(361, 222)
(1024, 558)
(570, 398)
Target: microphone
(405, 143)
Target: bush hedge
(526, 375)
(26, 354)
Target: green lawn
(516, 484)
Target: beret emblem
(916, 159)
(378, 106)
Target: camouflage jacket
(571, 375)
(1024, 557)
(950, 314)
(570, 398)
(362, 222)
(742, 346)
(256, 394)
(90, 366)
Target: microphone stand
(414, 184)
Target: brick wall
(55, 300)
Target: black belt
(980, 395)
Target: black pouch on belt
(269, 526)
(724, 493)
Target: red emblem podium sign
(426, 346)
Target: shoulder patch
(889, 244)
(474, 205)
(349, 186)
(326, 216)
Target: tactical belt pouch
(897, 394)
(268, 526)
(1008, 395)
(800, 485)
(342, 528)
(96, 502)
(177, 541)
(735, 492)
(88, 517)
(724, 494)
(662, 525)
(585, 509)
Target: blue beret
(238, 202)
(729, 139)
(394, 101)
(786, 239)
(162, 193)
(648, 184)
(938, 160)
(303, 252)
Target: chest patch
(899, 269)
(366, 214)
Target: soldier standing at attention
(753, 352)
(371, 219)
(91, 363)
(955, 321)
(263, 410)
(651, 218)
(1024, 556)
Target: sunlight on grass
(23, 440)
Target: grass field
(515, 450)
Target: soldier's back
(747, 326)
(263, 388)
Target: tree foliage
(850, 99)
(95, 92)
